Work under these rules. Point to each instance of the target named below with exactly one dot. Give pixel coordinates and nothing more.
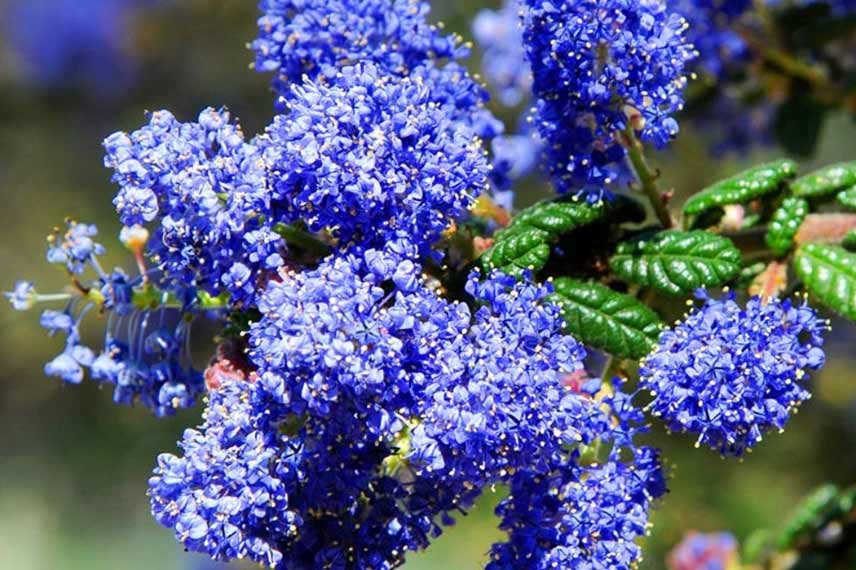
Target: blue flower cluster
(146, 355)
(312, 40)
(601, 67)
(730, 373)
(377, 409)
(579, 514)
(62, 43)
(371, 156)
(207, 188)
(316, 37)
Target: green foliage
(558, 217)
(829, 274)
(606, 319)
(519, 252)
(825, 181)
(525, 243)
(785, 223)
(743, 187)
(847, 198)
(676, 262)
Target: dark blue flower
(73, 43)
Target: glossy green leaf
(676, 262)
(829, 274)
(825, 181)
(600, 317)
(525, 243)
(558, 217)
(743, 187)
(522, 251)
(785, 223)
(847, 198)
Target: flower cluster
(601, 68)
(371, 156)
(580, 515)
(316, 37)
(313, 40)
(145, 356)
(377, 408)
(207, 189)
(731, 373)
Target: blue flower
(579, 516)
(309, 38)
(369, 157)
(313, 40)
(229, 495)
(498, 403)
(206, 189)
(600, 67)
(75, 248)
(23, 296)
(731, 373)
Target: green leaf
(676, 262)
(825, 181)
(743, 187)
(829, 274)
(600, 317)
(847, 198)
(785, 223)
(558, 217)
(525, 243)
(522, 251)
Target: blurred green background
(73, 467)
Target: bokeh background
(73, 467)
